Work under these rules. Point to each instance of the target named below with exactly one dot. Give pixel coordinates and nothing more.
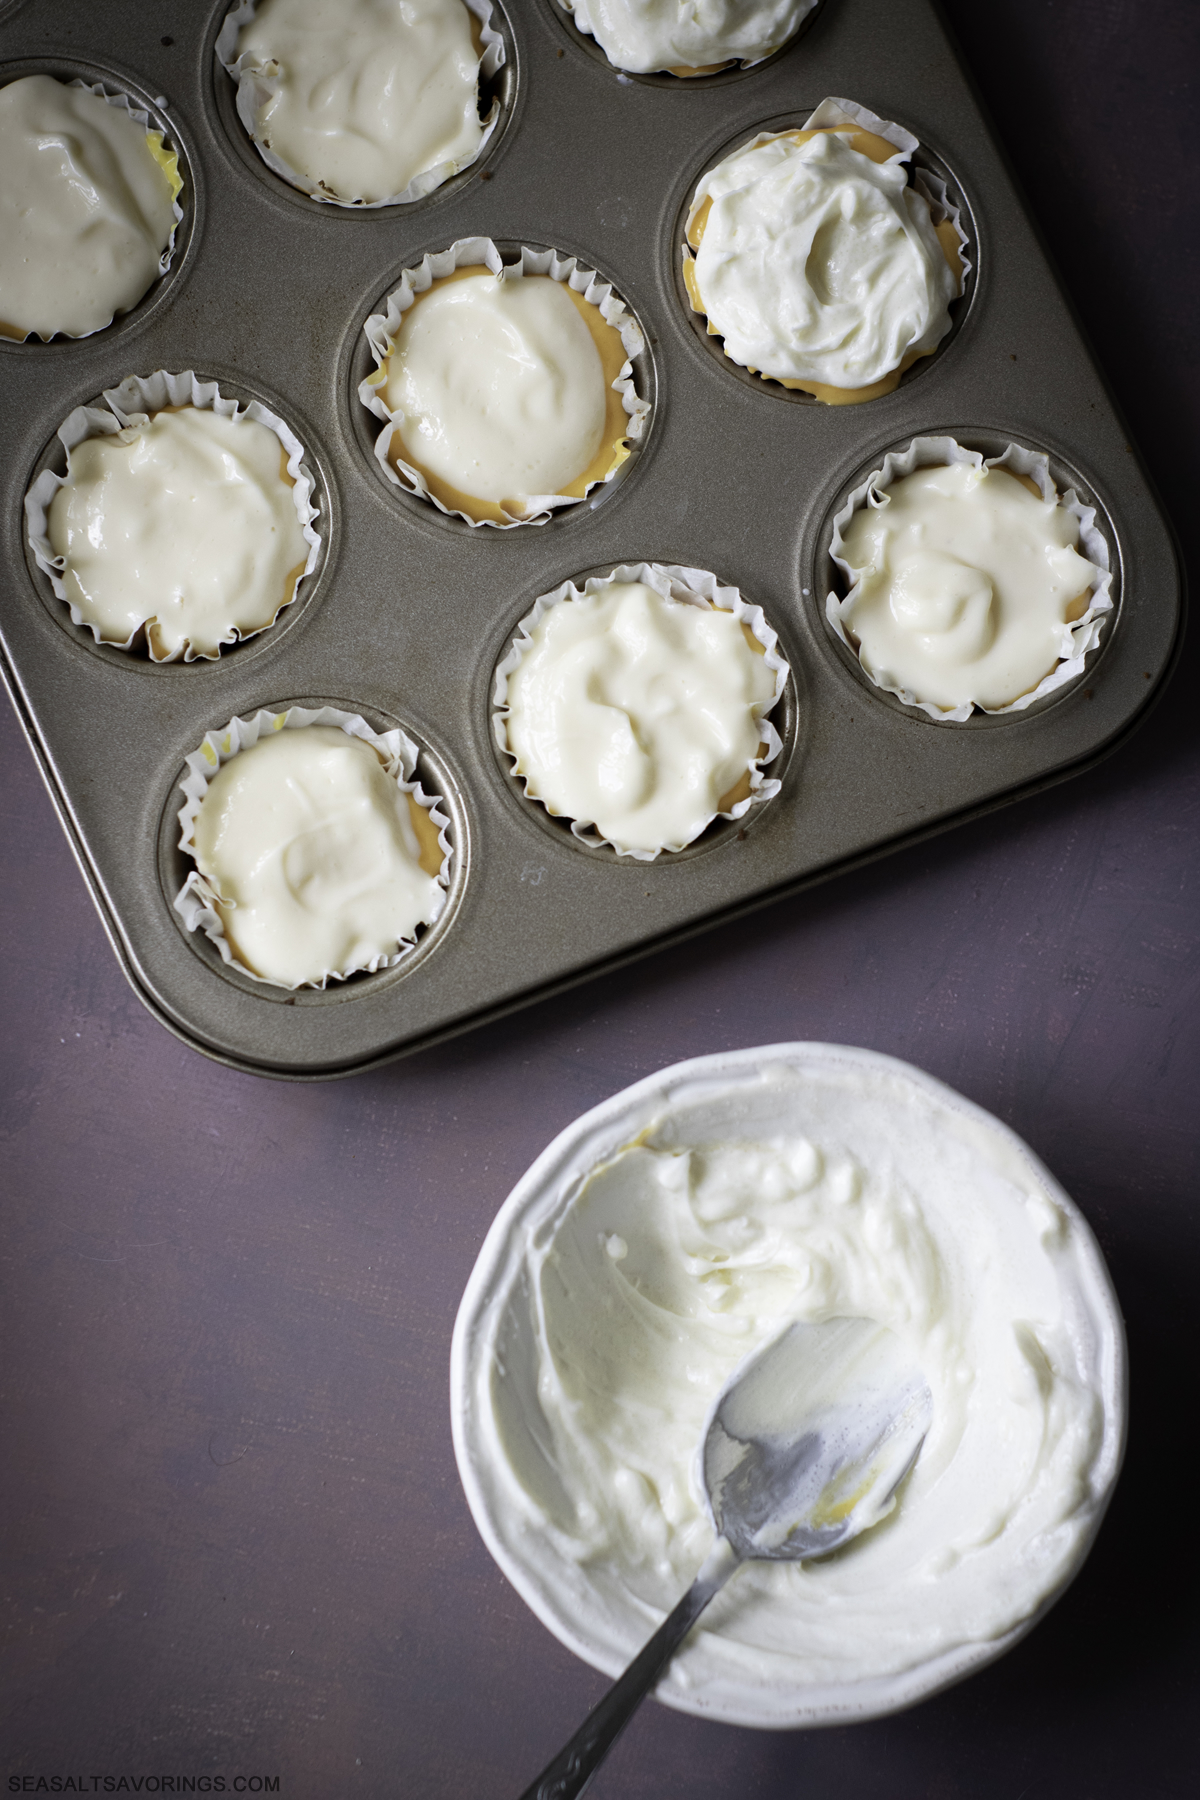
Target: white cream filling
(85, 210)
(819, 265)
(497, 387)
(309, 845)
(964, 580)
(632, 1305)
(365, 95)
(186, 521)
(647, 35)
(636, 713)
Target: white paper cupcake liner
(1078, 638)
(114, 96)
(256, 87)
(195, 901)
(576, 11)
(381, 329)
(832, 113)
(697, 587)
(131, 403)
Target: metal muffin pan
(410, 611)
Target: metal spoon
(804, 1449)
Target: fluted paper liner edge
(381, 329)
(1079, 637)
(830, 114)
(116, 97)
(130, 403)
(254, 88)
(696, 587)
(195, 900)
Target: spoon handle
(572, 1769)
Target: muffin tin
(410, 611)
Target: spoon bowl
(810, 1438)
(804, 1449)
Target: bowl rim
(552, 1179)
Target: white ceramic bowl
(493, 1375)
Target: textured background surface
(234, 1539)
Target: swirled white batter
(311, 848)
(497, 387)
(967, 582)
(86, 209)
(818, 264)
(186, 524)
(647, 35)
(636, 1299)
(363, 96)
(637, 713)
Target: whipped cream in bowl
(970, 585)
(822, 260)
(670, 1231)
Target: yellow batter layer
(431, 857)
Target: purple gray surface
(233, 1535)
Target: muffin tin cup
(135, 399)
(695, 587)
(195, 901)
(831, 114)
(123, 102)
(255, 88)
(381, 329)
(1080, 638)
(707, 74)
